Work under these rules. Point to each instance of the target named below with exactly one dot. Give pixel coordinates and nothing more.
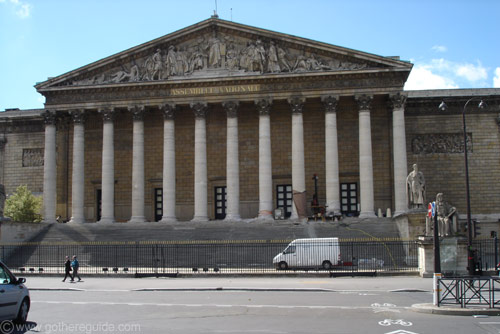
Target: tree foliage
(23, 206)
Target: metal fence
(183, 257)
(486, 254)
(469, 291)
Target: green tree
(23, 206)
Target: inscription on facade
(214, 90)
(32, 157)
(440, 143)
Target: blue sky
(452, 43)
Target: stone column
(200, 162)
(232, 162)
(298, 163)
(137, 165)
(49, 168)
(399, 150)
(168, 111)
(365, 157)
(108, 167)
(265, 161)
(78, 173)
(331, 155)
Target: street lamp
(470, 255)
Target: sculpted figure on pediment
(211, 55)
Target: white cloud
(422, 77)
(439, 48)
(21, 8)
(472, 72)
(496, 78)
(442, 74)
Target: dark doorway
(220, 202)
(349, 199)
(284, 198)
(158, 204)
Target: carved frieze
(440, 143)
(33, 157)
(219, 54)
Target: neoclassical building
(225, 121)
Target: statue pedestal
(453, 253)
(411, 224)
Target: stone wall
(444, 172)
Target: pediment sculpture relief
(218, 55)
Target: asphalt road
(241, 305)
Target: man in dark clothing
(67, 269)
(75, 265)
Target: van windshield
(289, 250)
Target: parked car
(14, 296)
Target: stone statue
(415, 189)
(216, 53)
(272, 59)
(447, 217)
(157, 66)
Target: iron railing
(182, 257)
(469, 291)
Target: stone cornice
(242, 89)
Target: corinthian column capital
(137, 112)
(168, 111)
(397, 101)
(49, 117)
(297, 104)
(264, 106)
(330, 103)
(78, 116)
(364, 102)
(231, 108)
(108, 114)
(200, 109)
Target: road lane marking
(312, 307)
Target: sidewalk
(118, 283)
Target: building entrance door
(349, 199)
(98, 204)
(220, 202)
(158, 204)
(284, 198)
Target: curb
(472, 311)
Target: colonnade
(266, 206)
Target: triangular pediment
(216, 48)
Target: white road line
(326, 307)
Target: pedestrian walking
(67, 269)
(75, 265)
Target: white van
(309, 253)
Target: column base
(75, 220)
(49, 221)
(168, 220)
(109, 220)
(367, 214)
(199, 219)
(265, 215)
(232, 218)
(137, 219)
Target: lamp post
(470, 255)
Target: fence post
(437, 282)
